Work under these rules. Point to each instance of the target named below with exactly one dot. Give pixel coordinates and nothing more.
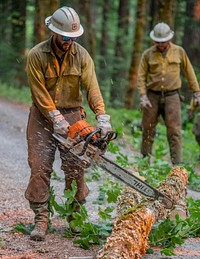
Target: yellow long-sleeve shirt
(55, 87)
(160, 73)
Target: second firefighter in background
(159, 82)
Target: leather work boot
(39, 232)
(41, 220)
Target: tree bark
(18, 25)
(119, 75)
(18, 39)
(137, 49)
(129, 237)
(192, 28)
(88, 40)
(43, 9)
(103, 66)
(165, 12)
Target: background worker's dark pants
(196, 128)
(169, 107)
(41, 154)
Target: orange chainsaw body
(80, 129)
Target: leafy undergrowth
(166, 234)
(170, 233)
(88, 233)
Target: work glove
(196, 99)
(60, 125)
(144, 102)
(104, 124)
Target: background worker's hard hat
(65, 21)
(161, 33)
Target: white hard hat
(161, 33)
(65, 21)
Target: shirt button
(162, 79)
(162, 87)
(57, 90)
(55, 101)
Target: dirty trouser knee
(149, 122)
(75, 172)
(173, 124)
(41, 154)
(70, 165)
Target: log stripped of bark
(136, 216)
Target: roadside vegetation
(166, 234)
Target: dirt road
(14, 176)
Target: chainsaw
(88, 147)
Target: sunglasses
(66, 38)
(157, 42)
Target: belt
(68, 110)
(164, 93)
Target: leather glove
(144, 102)
(104, 124)
(196, 99)
(60, 125)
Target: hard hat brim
(68, 34)
(169, 37)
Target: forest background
(116, 34)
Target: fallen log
(136, 216)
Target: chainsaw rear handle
(100, 142)
(88, 140)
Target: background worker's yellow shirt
(163, 73)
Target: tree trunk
(165, 12)
(5, 24)
(103, 66)
(88, 40)
(19, 25)
(119, 75)
(18, 41)
(137, 48)
(43, 9)
(152, 9)
(192, 28)
(129, 237)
